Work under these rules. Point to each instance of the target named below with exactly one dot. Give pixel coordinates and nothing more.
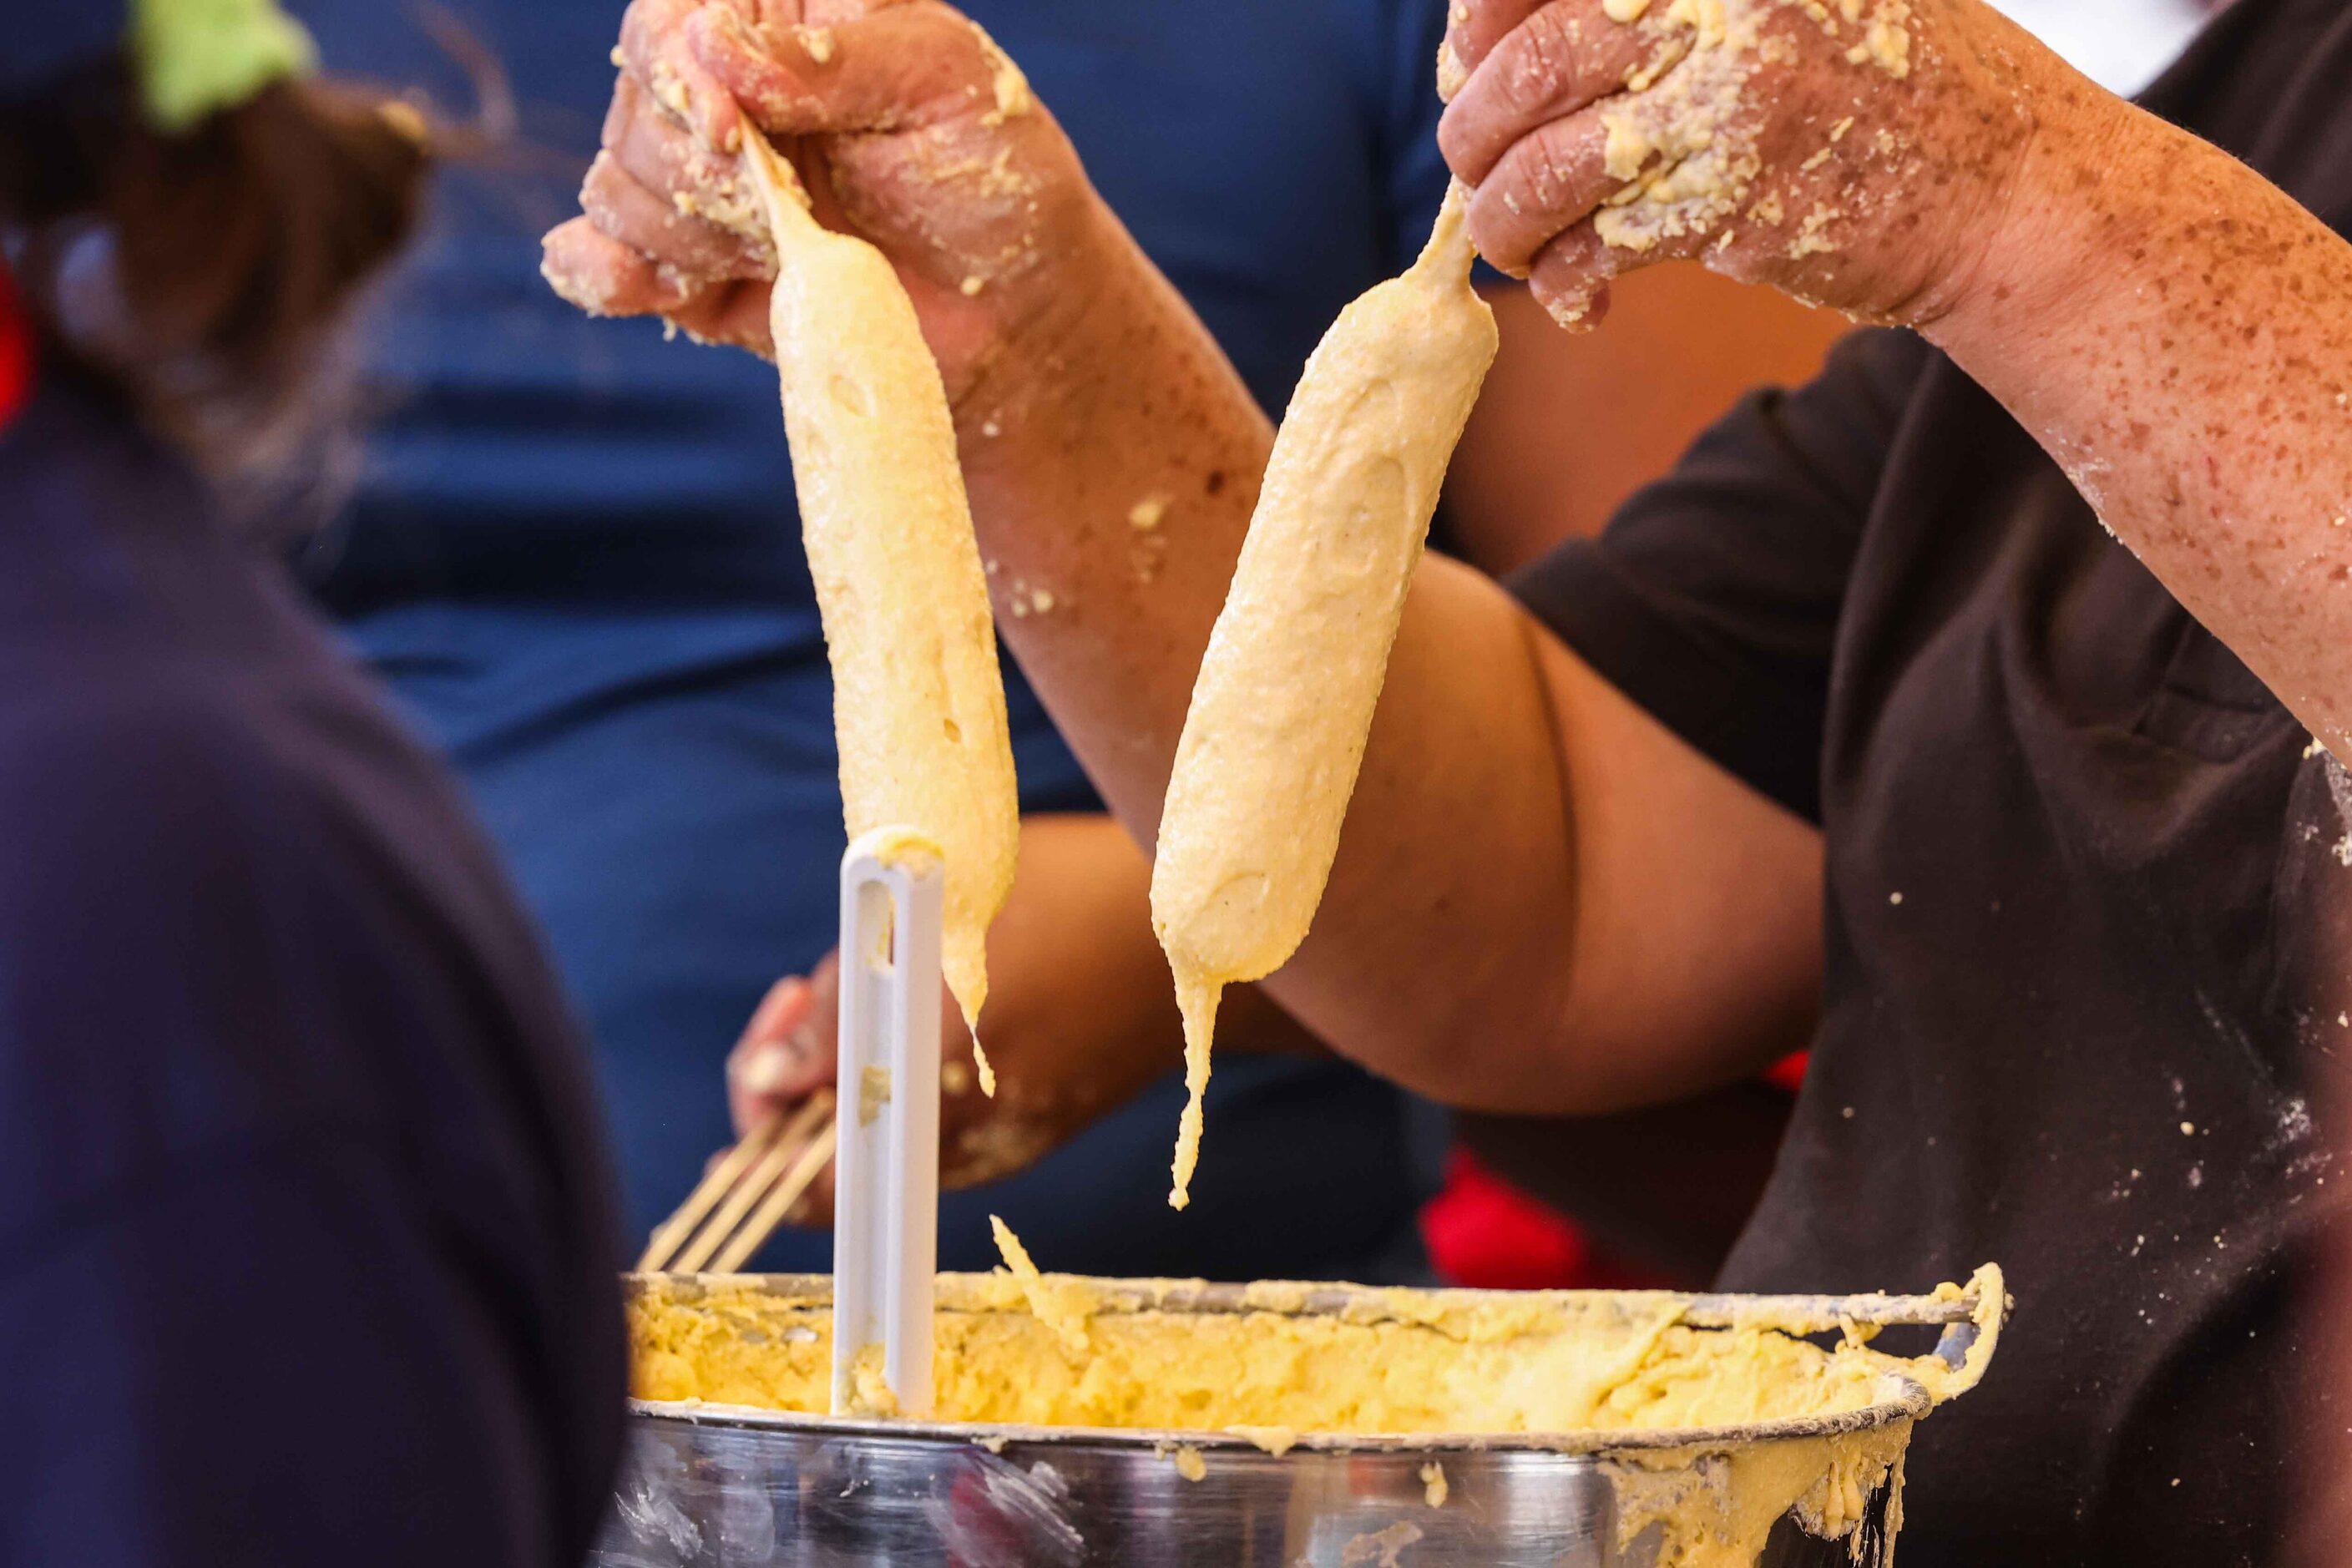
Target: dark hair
(204, 275)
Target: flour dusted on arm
(1284, 702)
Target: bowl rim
(1911, 1403)
(1903, 1398)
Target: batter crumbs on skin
(1684, 145)
(1006, 84)
(1812, 238)
(1030, 601)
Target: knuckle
(1487, 16)
(1549, 168)
(1497, 228)
(1539, 59)
(599, 191)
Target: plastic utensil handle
(886, 1191)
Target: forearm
(1523, 847)
(1138, 409)
(1113, 458)
(2177, 332)
(1506, 825)
(1082, 1017)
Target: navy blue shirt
(576, 556)
(305, 1233)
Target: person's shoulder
(152, 881)
(218, 930)
(235, 808)
(117, 760)
(163, 834)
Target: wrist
(2053, 223)
(1032, 356)
(1115, 384)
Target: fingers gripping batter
(933, 148)
(1283, 703)
(1815, 145)
(918, 703)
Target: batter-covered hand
(1854, 153)
(911, 128)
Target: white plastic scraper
(886, 1205)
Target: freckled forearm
(1131, 406)
(1113, 464)
(2177, 333)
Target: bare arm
(1543, 901)
(1529, 860)
(2177, 332)
(2174, 329)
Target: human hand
(1856, 153)
(1081, 1018)
(1044, 1094)
(910, 129)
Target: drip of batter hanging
(918, 702)
(1284, 702)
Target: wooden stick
(769, 1154)
(662, 1245)
(754, 1235)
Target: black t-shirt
(2086, 899)
(306, 1241)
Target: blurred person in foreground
(305, 1228)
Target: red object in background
(16, 352)
(1484, 1234)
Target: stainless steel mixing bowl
(712, 1486)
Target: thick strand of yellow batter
(1284, 702)
(918, 701)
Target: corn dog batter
(918, 703)
(1284, 699)
(1393, 1362)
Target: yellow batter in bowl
(1057, 1350)
(1715, 1416)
